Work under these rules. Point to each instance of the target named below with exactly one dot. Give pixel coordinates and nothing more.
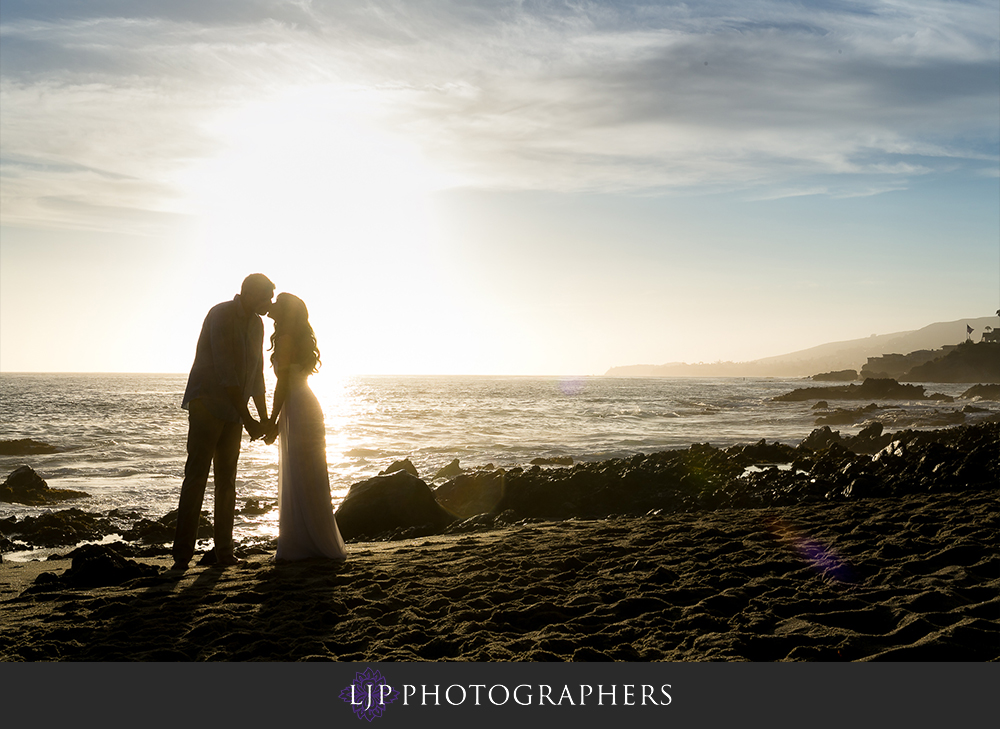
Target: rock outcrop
(26, 447)
(896, 366)
(403, 465)
(162, 530)
(870, 389)
(838, 376)
(59, 528)
(552, 461)
(983, 392)
(968, 362)
(94, 565)
(24, 486)
(450, 471)
(825, 467)
(471, 494)
(397, 503)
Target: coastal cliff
(968, 362)
(834, 356)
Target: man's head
(256, 293)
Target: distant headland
(900, 355)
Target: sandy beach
(912, 578)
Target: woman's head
(289, 312)
(291, 317)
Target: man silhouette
(228, 371)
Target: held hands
(271, 432)
(265, 430)
(255, 429)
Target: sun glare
(315, 189)
(311, 168)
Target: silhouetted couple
(228, 372)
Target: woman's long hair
(293, 320)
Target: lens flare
(571, 386)
(820, 557)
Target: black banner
(530, 694)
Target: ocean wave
(364, 453)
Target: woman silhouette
(306, 524)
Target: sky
(515, 188)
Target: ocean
(122, 436)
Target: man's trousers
(210, 441)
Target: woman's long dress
(306, 524)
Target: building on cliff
(895, 366)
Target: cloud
(517, 95)
(717, 99)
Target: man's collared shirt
(229, 354)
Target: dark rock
(936, 462)
(870, 389)
(553, 461)
(506, 517)
(397, 500)
(153, 532)
(832, 459)
(670, 480)
(895, 449)
(96, 565)
(983, 392)
(976, 472)
(205, 528)
(763, 452)
(841, 416)
(838, 376)
(26, 447)
(24, 486)
(163, 529)
(403, 465)
(471, 494)
(44, 582)
(870, 440)
(58, 528)
(7, 544)
(821, 438)
(863, 487)
(254, 508)
(450, 471)
(825, 466)
(879, 375)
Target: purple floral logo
(369, 694)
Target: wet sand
(912, 578)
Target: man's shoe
(179, 566)
(228, 562)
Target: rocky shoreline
(825, 467)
